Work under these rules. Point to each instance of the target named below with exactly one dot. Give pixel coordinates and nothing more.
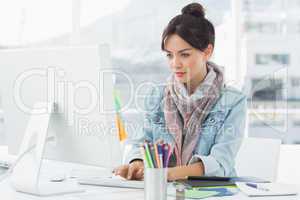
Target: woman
(195, 111)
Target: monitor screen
(79, 80)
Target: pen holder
(156, 183)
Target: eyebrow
(180, 51)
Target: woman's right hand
(133, 171)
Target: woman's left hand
(181, 172)
(173, 174)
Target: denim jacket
(220, 139)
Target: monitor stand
(26, 175)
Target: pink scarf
(185, 114)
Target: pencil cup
(156, 183)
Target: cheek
(194, 65)
(170, 64)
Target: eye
(169, 55)
(185, 55)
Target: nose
(176, 63)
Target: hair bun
(194, 9)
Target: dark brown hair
(191, 26)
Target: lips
(180, 74)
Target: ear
(208, 51)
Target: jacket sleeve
(221, 160)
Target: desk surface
(107, 193)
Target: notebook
(274, 189)
(205, 183)
(230, 179)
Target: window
(272, 59)
(293, 4)
(256, 5)
(267, 119)
(295, 82)
(267, 89)
(261, 27)
(37, 22)
(294, 92)
(296, 123)
(133, 30)
(33, 21)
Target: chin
(181, 80)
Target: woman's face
(187, 63)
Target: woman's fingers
(131, 172)
(122, 171)
(140, 174)
(135, 172)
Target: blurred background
(256, 41)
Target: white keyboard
(112, 182)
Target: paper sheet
(275, 189)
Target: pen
(153, 155)
(160, 154)
(256, 186)
(148, 155)
(147, 163)
(156, 155)
(169, 155)
(165, 154)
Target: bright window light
(33, 21)
(91, 10)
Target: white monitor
(79, 80)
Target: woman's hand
(133, 171)
(181, 172)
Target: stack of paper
(269, 189)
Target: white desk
(106, 193)
(102, 193)
(109, 193)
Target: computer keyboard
(112, 182)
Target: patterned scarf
(185, 114)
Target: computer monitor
(79, 80)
